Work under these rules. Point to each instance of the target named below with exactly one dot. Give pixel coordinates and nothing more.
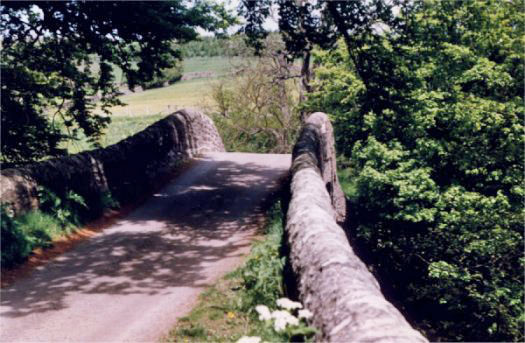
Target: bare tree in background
(256, 108)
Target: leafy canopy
(58, 58)
(428, 106)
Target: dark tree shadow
(205, 215)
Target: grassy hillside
(190, 93)
(146, 107)
(219, 64)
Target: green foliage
(15, 246)
(262, 274)
(305, 24)
(34, 229)
(66, 209)
(214, 46)
(166, 77)
(48, 52)
(262, 283)
(430, 115)
(23, 234)
(39, 228)
(57, 215)
(107, 201)
(255, 110)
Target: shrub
(39, 228)
(255, 109)
(262, 274)
(23, 234)
(107, 201)
(15, 246)
(57, 215)
(168, 76)
(68, 209)
(430, 118)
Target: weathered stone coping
(332, 281)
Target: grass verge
(226, 311)
(58, 215)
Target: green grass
(145, 108)
(215, 318)
(119, 129)
(219, 65)
(190, 93)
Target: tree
(305, 25)
(57, 56)
(428, 108)
(256, 107)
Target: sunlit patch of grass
(145, 108)
(119, 129)
(189, 93)
(165, 100)
(219, 65)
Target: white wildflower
(264, 312)
(288, 304)
(294, 321)
(282, 319)
(249, 339)
(279, 324)
(305, 314)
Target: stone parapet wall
(125, 169)
(203, 136)
(332, 281)
(316, 148)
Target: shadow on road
(208, 214)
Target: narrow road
(131, 282)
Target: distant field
(190, 93)
(145, 108)
(220, 65)
(120, 128)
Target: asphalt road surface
(131, 281)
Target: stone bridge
(193, 229)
